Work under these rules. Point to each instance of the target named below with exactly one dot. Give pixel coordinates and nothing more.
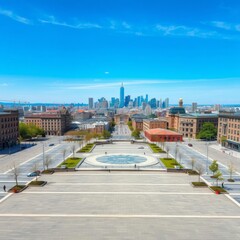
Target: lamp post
(207, 158)
(43, 157)
(176, 151)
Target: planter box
(203, 185)
(14, 190)
(41, 184)
(218, 191)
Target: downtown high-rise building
(121, 96)
(194, 107)
(167, 103)
(90, 103)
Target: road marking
(119, 216)
(123, 184)
(12, 181)
(7, 196)
(135, 173)
(31, 159)
(233, 200)
(122, 193)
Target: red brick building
(162, 135)
(9, 130)
(52, 122)
(137, 124)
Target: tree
(35, 169)
(48, 161)
(136, 133)
(218, 176)
(73, 147)
(64, 151)
(106, 134)
(231, 169)
(223, 140)
(208, 131)
(27, 131)
(193, 161)
(214, 167)
(167, 151)
(200, 171)
(180, 157)
(15, 172)
(88, 137)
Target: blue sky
(68, 50)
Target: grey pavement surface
(118, 205)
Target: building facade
(154, 123)
(162, 135)
(90, 103)
(190, 124)
(229, 130)
(9, 128)
(53, 123)
(121, 97)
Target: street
(31, 159)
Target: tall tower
(121, 96)
(180, 103)
(90, 103)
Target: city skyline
(75, 50)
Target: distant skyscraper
(160, 103)
(121, 96)
(153, 103)
(127, 100)
(146, 100)
(194, 107)
(138, 101)
(167, 103)
(90, 103)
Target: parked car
(190, 145)
(141, 147)
(51, 144)
(34, 174)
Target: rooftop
(199, 115)
(162, 131)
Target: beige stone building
(189, 125)
(9, 128)
(154, 123)
(53, 123)
(229, 130)
(121, 118)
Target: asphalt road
(31, 159)
(121, 131)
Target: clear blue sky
(69, 50)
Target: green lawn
(170, 162)
(70, 162)
(87, 148)
(155, 148)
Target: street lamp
(207, 158)
(176, 151)
(43, 157)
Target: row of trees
(208, 131)
(29, 131)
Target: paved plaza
(118, 205)
(102, 204)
